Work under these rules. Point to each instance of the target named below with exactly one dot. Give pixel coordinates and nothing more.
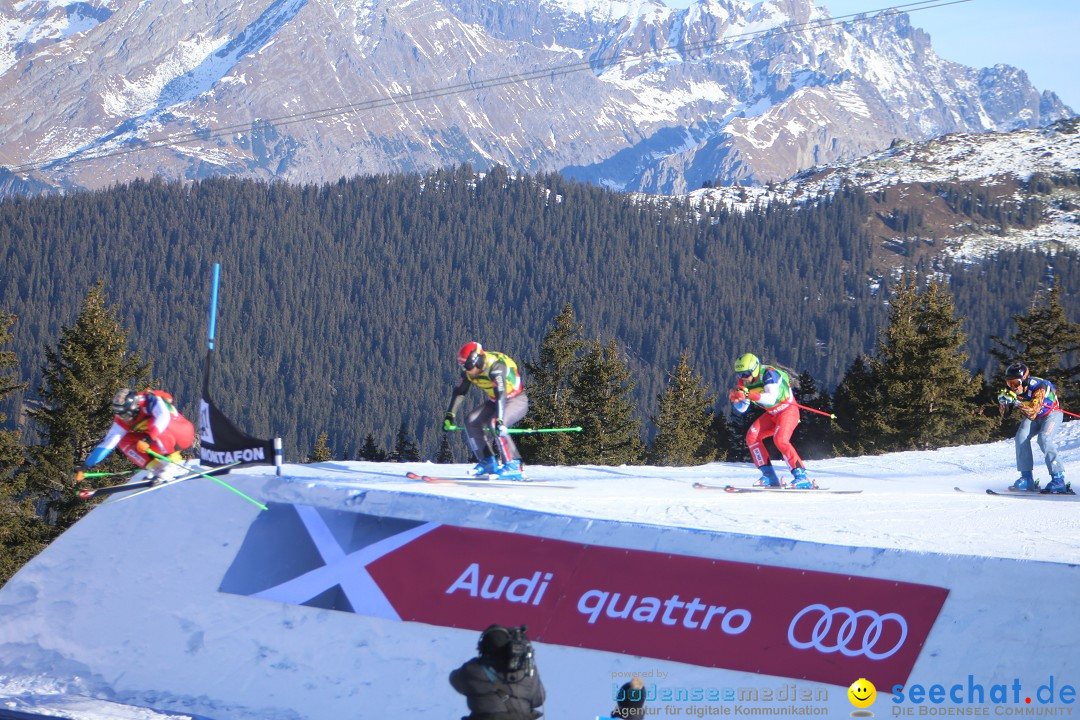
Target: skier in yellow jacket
(486, 427)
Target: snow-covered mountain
(905, 177)
(627, 93)
(157, 607)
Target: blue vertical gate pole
(213, 306)
(211, 331)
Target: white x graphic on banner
(347, 570)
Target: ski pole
(82, 474)
(815, 410)
(525, 431)
(1066, 412)
(219, 481)
(535, 431)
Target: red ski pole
(822, 412)
(1069, 413)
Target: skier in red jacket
(146, 421)
(769, 388)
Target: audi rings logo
(849, 632)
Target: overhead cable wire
(412, 97)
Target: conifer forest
(342, 305)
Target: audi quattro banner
(819, 626)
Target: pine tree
(405, 449)
(81, 376)
(445, 455)
(600, 402)
(549, 381)
(728, 433)
(720, 442)
(371, 450)
(738, 426)
(813, 435)
(856, 404)
(320, 453)
(22, 534)
(928, 397)
(683, 418)
(11, 454)
(1047, 342)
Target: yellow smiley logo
(862, 693)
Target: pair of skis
(482, 480)
(1029, 494)
(493, 481)
(786, 489)
(143, 486)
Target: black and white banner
(221, 442)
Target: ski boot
(511, 471)
(800, 481)
(161, 471)
(1026, 483)
(487, 466)
(1057, 486)
(768, 477)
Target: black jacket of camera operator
(502, 683)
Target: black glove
(500, 428)
(448, 422)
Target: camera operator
(502, 682)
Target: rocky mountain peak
(630, 94)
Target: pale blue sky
(1041, 37)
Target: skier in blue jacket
(1036, 398)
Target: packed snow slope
(190, 602)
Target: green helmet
(747, 366)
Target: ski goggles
(1014, 383)
(745, 374)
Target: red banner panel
(818, 626)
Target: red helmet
(470, 355)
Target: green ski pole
(81, 475)
(219, 481)
(535, 431)
(523, 431)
